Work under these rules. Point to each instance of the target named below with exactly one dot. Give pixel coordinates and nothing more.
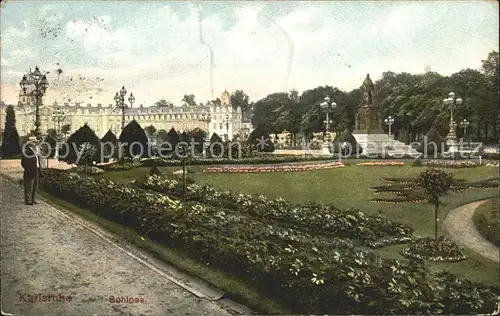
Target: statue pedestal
(383, 144)
(325, 149)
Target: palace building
(226, 121)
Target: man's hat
(32, 139)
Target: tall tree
(435, 183)
(490, 69)
(150, 130)
(65, 129)
(164, 103)
(240, 99)
(189, 100)
(83, 135)
(133, 133)
(10, 144)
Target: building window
(215, 125)
(220, 126)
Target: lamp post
(464, 124)
(120, 102)
(452, 102)
(389, 121)
(328, 107)
(40, 84)
(58, 116)
(206, 117)
(226, 121)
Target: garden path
(459, 225)
(50, 252)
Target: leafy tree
(240, 99)
(490, 110)
(345, 144)
(133, 133)
(260, 140)
(432, 143)
(150, 130)
(65, 129)
(164, 103)
(189, 100)
(84, 134)
(435, 183)
(10, 144)
(216, 102)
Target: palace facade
(226, 121)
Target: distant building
(225, 120)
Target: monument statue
(368, 88)
(367, 118)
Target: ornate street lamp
(120, 102)
(207, 118)
(226, 121)
(389, 121)
(452, 102)
(40, 83)
(58, 116)
(464, 124)
(328, 107)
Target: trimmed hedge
(307, 273)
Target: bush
(440, 250)
(417, 162)
(216, 146)
(83, 135)
(308, 273)
(486, 220)
(125, 163)
(427, 145)
(346, 145)
(133, 133)
(154, 171)
(260, 140)
(327, 219)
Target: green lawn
(349, 188)
(486, 219)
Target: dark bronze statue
(368, 88)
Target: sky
(157, 49)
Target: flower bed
(309, 274)
(381, 163)
(317, 218)
(440, 250)
(274, 168)
(263, 160)
(450, 163)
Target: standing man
(30, 161)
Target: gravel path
(459, 225)
(46, 251)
